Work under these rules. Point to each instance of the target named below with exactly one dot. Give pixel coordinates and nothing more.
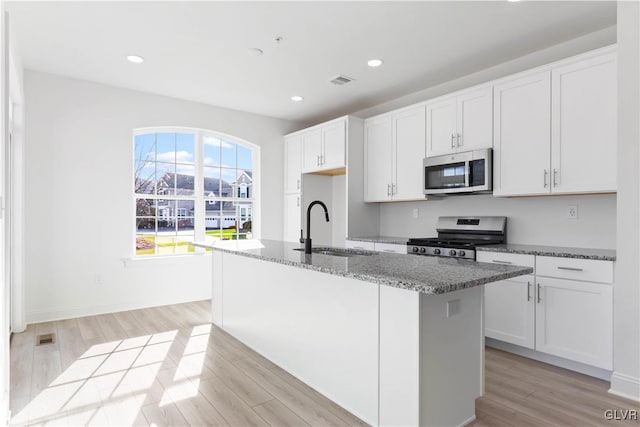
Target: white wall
(626, 348)
(531, 220)
(78, 202)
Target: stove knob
(415, 249)
(423, 250)
(436, 251)
(461, 253)
(452, 252)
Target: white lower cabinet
(509, 311)
(574, 320)
(565, 309)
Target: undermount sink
(337, 251)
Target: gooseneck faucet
(307, 241)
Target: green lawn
(171, 245)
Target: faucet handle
(301, 237)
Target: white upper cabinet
(441, 127)
(460, 122)
(584, 126)
(324, 147)
(394, 150)
(555, 130)
(409, 152)
(293, 164)
(522, 129)
(311, 150)
(475, 119)
(378, 137)
(333, 140)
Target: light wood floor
(170, 366)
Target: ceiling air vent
(341, 80)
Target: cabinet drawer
(506, 258)
(575, 269)
(354, 244)
(391, 247)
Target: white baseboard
(470, 420)
(571, 365)
(73, 312)
(625, 386)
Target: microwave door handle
(467, 171)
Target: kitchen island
(395, 339)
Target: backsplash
(531, 220)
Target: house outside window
(190, 185)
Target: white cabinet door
(475, 119)
(522, 142)
(409, 151)
(441, 127)
(399, 387)
(510, 311)
(333, 139)
(311, 150)
(292, 217)
(574, 320)
(584, 132)
(378, 142)
(293, 167)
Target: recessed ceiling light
(135, 59)
(374, 62)
(296, 98)
(255, 51)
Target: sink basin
(337, 251)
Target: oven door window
(444, 176)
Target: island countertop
(424, 274)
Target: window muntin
(188, 178)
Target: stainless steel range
(459, 236)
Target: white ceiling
(198, 51)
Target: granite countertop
(425, 274)
(556, 251)
(381, 239)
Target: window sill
(162, 259)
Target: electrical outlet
(453, 307)
(416, 213)
(572, 212)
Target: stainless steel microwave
(466, 172)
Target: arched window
(190, 184)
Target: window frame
(199, 198)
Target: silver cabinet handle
(298, 184)
(388, 189)
(570, 268)
(358, 247)
(317, 160)
(389, 250)
(459, 141)
(555, 177)
(452, 146)
(539, 297)
(502, 262)
(528, 291)
(298, 201)
(393, 189)
(321, 160)
(545, 178)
